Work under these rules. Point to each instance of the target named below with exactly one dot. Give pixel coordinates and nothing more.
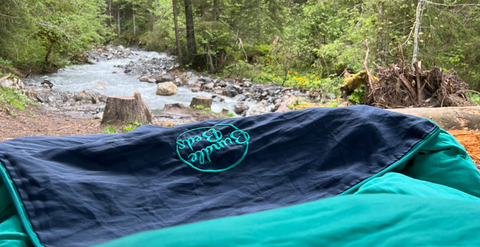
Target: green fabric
(396, 183)
(444, 161)
(433, 203)
(430, 197)
(11, 230)
(351, 220)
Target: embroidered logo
(213, 149)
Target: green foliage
(10, 98)
(131, 126)
(310, 81)
(474, 97)
(199, 107)
(109, 129)
(357, 95)
(47, 33)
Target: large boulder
(166, 88)
(11, 82)
(87, 96)
(257, 110)
(240, 108)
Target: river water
(108, 80)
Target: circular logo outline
(219, 170)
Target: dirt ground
(470, 140)
(38, 121)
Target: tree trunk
(124, 110)
(134, 29)
(200, 100)
(118, 21)
(418, 20)
(379, 54)
(259, 19)
(177, 36)
(191, 45)
(216, 5)
(447, 117)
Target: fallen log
(449, 118)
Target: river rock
(12, 83)
(240, 97)
(173, 107)
(166, 88)
(330, 96)
(178, 81)
(217, 98)
(209, 86)
(47, 83)
(144, 78)
(165, 78)
(152, 80)
(206, 80)
(86, 96)
(257, 110)
(240, 108)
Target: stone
(166, 78)
(209, 86)
(173, 107)
(47, 83)
(110, 57)
(224, 112)
(191, 81)
(229, 93)
(206, 80)
(257, 109)
(98, 115)
(217, 98)
(144, 78)
(240, 97)
(240, 108)
(178, 81)
(284, 105)
(201, 100)
(221, 84)
(330, 96)
(345, 104)
(166, 88)
(152, 80)
(87, 96)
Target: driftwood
(124, 110)
(457, 118)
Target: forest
(301, 43)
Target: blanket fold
(87, 190)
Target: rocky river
(81, 90)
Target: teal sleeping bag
(350, 176)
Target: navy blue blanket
(86, 190)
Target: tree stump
(201, 100)
(124, 110)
